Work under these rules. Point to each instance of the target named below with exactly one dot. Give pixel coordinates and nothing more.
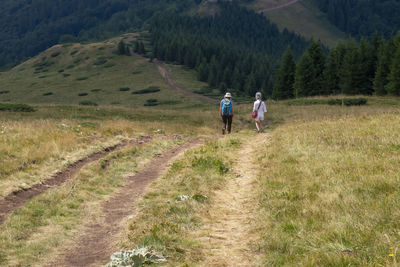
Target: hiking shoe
(223, 131)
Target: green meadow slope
(302, 17)
(90, 73)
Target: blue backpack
(226, 107)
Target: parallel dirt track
(279, 7)
(18, 198)
(95, 245)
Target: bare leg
(258, 127)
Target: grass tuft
(16, 107)
(148, 90)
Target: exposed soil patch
(95, 245)
(228, 236)
(18, 198)
(174, 86)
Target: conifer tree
(284, 84)
(350, 69)
(382, 70)
(393, 86)
(304, 76)
(121, 48)
(331, 72)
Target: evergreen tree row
(237, 49)
(368, 67)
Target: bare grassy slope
(302, 17)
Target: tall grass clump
(174, 206)
(330, 192)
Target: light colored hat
(258, 95)
(228, 95)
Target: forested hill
(363, 17)
(28, 27)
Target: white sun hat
(228, 95)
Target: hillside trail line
(17, 199)
(279, 7)
(164, 73)
(229, 235)
(99, 239)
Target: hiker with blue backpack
(226, 112)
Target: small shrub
(42, 77)
(109, 65)
(100, 61)
(115, 103)
(55, 54)
(70, 67)
(48, 93)
(77, 61)
(66, 75)
(124, 89)
(149, 90)
(95, 90)
(4, 92)
(16, 107)
(82, 94)
(136, 72)
(82, 78)
(74, 52)
(88, 103)
(60, 71)
(150, 104)
(348, 101)
(151, 100)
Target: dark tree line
(371, 66)
(236, 50)
(28, 27)
(363, 17)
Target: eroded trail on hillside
(99, 238)
(163, 71)
(279, 7)
(18, 198)
(228, 237)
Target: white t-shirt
(261, 111)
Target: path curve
(164, 73)
(95, 245)
(229, 237)
(279, 7)
(17, 199)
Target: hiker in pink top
(260, 107)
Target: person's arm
(220, 109)
(265, 107)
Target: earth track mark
(95, 244)
(17, 199)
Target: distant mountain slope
(89, 73)
(302, 17)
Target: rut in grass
(95, 245)
(229, 237)
(18, 198)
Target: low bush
(74, 52)
(4, 92)
(16, 107)
(66, 74)
(124, 89)
(82, 78)
(95, 90)
(151, 102)
(60, 71)
(48, 93)
(88, 103)
(42, 77)
(77, 61)
(82, 94)
(149, 90)
(109, 65)
(136, 72)
(70, 67)
(55, 54)
(100, 61)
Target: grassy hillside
(94, 72)
(303, 17)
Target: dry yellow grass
(330, 192)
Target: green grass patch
(124, 89)
(88, 103)
(16, 107)
(48, 94)
(148, 90)
(109, 64)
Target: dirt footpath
(96, 244)
(228, 236)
